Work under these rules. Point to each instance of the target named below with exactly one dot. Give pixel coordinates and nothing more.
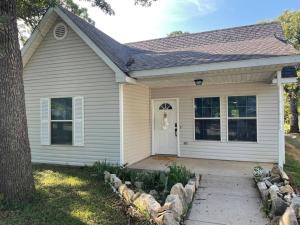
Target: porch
(159, 117)
(201, 166)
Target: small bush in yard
(178, 174)
(160, 181)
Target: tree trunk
(16, 180)
(294, 121)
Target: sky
(135, 23)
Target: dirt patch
(293, 151)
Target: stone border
(278, 196)
(176, 204)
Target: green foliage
(178, 174)
(177, 33)
(292, 168)
(290, 22)
(160, 181)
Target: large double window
(242, 118)
(61, 121)
(207, 118)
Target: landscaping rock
(115, 181)
(139, 185)
(106, 176)
(289, 217)
(136, 195)
(278, 205)
(128, 183)
(275, 171)
(174, 204)
(263, 189)
(287, 189)
(154, 193)
(167, 218)
(275, 220)
(128, 195)
(122, 188)
(288, 198)
(296, 206)
(268, 183)
(190, 191)
(179, 190)
(147, 204)
(283, 175)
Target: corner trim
(121, 108)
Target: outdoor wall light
(198, 82)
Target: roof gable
(47, 22)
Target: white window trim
(256, 118)
(50, 121)
(207, 118)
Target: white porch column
(281, 140)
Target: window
(61, 121)
(242, 118)
(207, 118)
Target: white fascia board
(287, 80)
(278, 60)
(36, 37)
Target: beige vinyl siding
(137, 131)
(266, 148)
(69, 68)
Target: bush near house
(160, 181)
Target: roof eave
(279, 61)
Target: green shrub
(178, 174)
(160, 181)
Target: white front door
(165, 127)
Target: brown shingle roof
(232, 44)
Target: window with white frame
(61, 121)
(207, 118)
(242, 121)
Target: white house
(212, 95)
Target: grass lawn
(68, 196)
(292, 165)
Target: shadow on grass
(66, 196)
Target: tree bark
(16, 180)
(294, 121)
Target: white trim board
(262, 62)
(121, 108)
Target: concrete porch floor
(202, 166)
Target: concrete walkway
(227, 193)
(229, 200)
